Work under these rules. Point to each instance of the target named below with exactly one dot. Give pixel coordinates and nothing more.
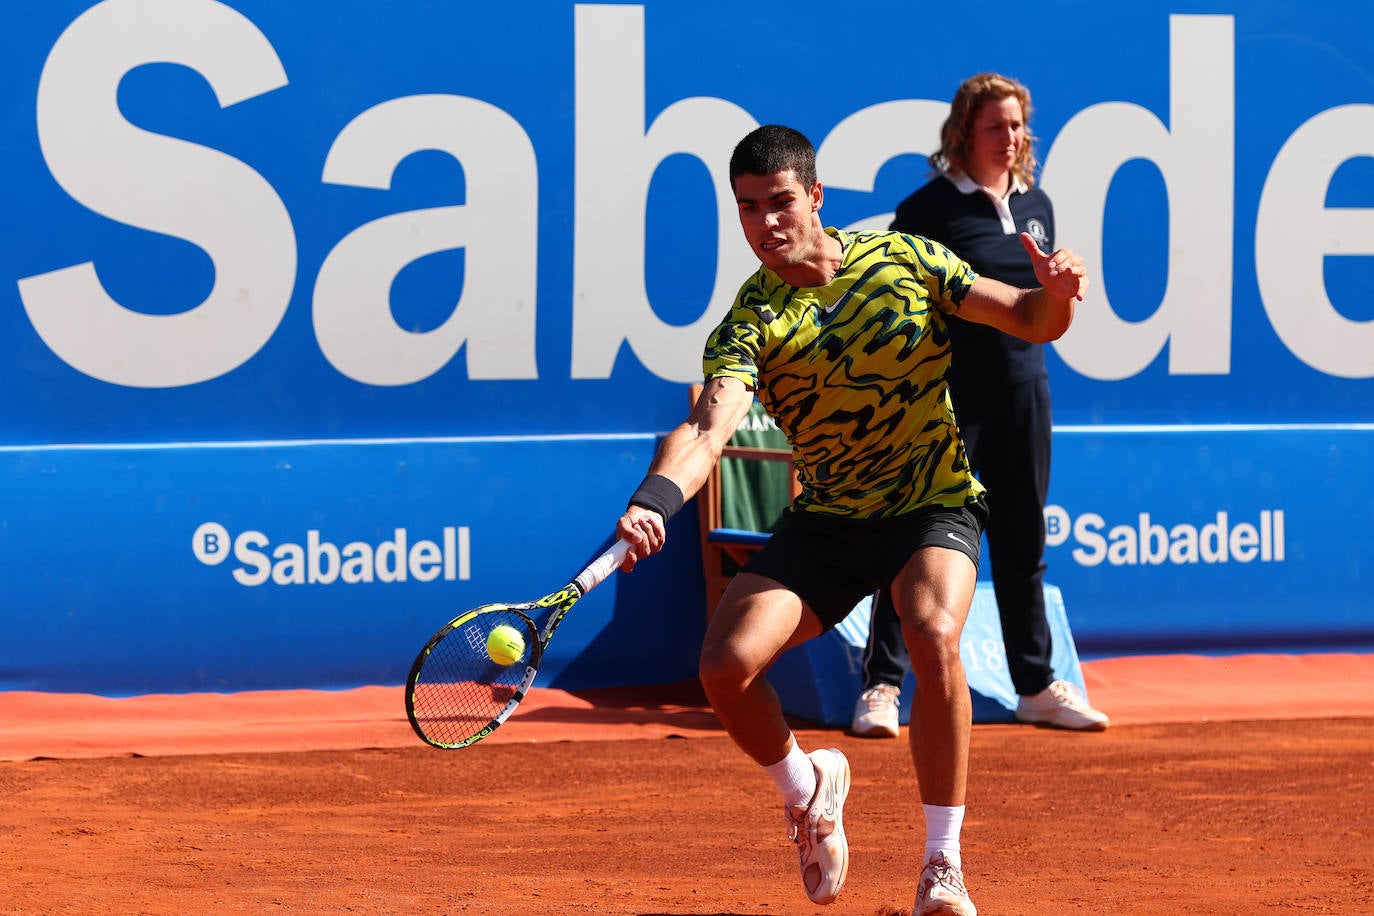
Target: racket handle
(602, 567)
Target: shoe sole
(842, 792)
(1046, 723)
(877, 732)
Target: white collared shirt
(967, 186)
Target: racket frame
(560, 601)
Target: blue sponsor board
(254, 220)
(245, 238)
(1214, 537)
(164, 569)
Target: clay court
(1236, 785)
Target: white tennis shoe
(876, 712)
(818, 828)
(941, 891)
(1061, 705)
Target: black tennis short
(832, 562)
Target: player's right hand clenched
(645, 532)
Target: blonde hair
(953, 153)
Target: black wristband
(659, 494)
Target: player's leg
(933, 593)
(789, 592)
(756, 621)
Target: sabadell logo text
(1145, 541)
(318, 561)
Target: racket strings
(458, 690)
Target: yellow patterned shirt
(854, 374)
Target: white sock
(794, 775)
(943, 826)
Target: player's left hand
(1062, 274)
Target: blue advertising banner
(254, 220)
(1190, 536)
(163, 569)
(427, 267)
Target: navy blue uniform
(1000, 392)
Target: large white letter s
(162, 184)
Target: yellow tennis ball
(505, 645)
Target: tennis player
(843, 338)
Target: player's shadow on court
(681, 707)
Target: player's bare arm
(685, 457)
(1037, 315)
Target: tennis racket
(456, 694)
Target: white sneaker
(875, 713)
(1061, 705)
(818, 828)
(941, 891)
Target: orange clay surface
(1225, 785)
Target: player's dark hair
(774, 148)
